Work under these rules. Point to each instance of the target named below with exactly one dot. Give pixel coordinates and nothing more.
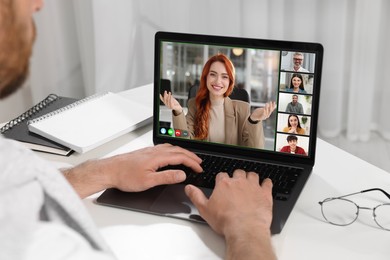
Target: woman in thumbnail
(294, 126)
(296, 84)
(213, 116)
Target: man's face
(298, 60)
(293, 144)
(295, 99)
(17, 34)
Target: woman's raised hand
(263, 113)
(170, 102)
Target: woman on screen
(296, 84)
(213, 116)
(294, 126)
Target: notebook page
(92, 122)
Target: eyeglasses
(342, 212)
(297, 59)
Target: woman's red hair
(202, 100)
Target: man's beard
(14, 83)
(14, 75)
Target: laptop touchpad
(174, 202)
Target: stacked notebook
(17, 128)
(60, 125)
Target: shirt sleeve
(55, 241)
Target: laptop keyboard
(283, 177)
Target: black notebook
(17, 129)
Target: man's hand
(240, 209)
(134, 171)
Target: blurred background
(90, 46)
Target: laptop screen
(259, 73)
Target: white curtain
(55, 65)
(88, 46)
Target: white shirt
(41, 217)
(54, 241)
(301, 69)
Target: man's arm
(300, 109)
(288, 108)
(250, 244)
(134, 171)
(240, 210)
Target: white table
(306, 235)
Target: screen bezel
(230, 41)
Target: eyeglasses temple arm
(363, 191)
(377, 189)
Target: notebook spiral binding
(26, 115)
(63, 109)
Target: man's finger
(172, 158)
(267, 184)
(167, 177)
(238, 173)
(197, 197)
(220, 176)
(252, 176)
(179, 150)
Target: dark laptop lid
(264, 69)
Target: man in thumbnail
(297, 62)
(294, 107)
(292, 146)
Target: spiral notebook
(91, 122)
(17, 129)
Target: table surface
(135, 235)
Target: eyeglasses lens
(339, 211)
(382, 216)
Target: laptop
(265, 70)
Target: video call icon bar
(173, 132)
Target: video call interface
(283, 76)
